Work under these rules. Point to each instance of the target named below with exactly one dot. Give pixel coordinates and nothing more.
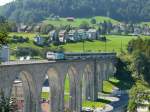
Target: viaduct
(85, 77)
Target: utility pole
(105, 44)
(121, 45)
(83, 46)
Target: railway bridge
(85, 77)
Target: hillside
(30, 11)
(78, 21)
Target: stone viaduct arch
(92, 72)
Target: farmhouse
(62, 36)
(22, 28)
(137, 31)
(39, 40)
(29, 29)
(92, 34)
(71, 19)
(82, 34)
(72, 35)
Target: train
(55, 55)
(75, 56)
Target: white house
(39, 40)
(137, 31)
(72, 35)
(4, 53)
(82, 34)
(62, 36)
(92, 34)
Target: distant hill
(30, 11)
(78, 21)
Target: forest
(32, 11)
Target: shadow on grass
(103, 101)
(123, 84)
(106, 92)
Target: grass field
(78, 21)
(114, 43)
(109, 85)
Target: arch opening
(67, 95)
(70, 90)
(45, 96)
(50, 92)
(23, 92)
(86, 86)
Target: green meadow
(114, 43)
(78, 21)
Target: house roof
(62, 32)
(92, 30)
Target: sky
(3, 2)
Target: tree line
(36, 10)
(139, 49)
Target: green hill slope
(78, 21)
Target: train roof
(97, 53)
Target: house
(29, 29)
(4, 53)
(116, 30)
(39, 40)
(137, 31)
(72, 35)
(71, 19)
(37, 28)
(22, 28)
(146, 30)
(62, 36)
(53, 35)
(82, 34)
(92, 34)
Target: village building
(71, 19)
(137, 31)
(37, 28)
(72, 35)
(62, 36)
(92, 34)
(116, 30)
(39, 40)
(29, 29)
(82, 35)
(22, 28)
(146, 30)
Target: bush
(19, 39)
(93, 21)
(7, 104)
(26, 51)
